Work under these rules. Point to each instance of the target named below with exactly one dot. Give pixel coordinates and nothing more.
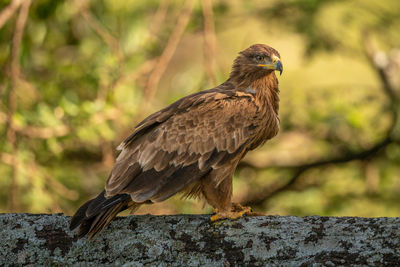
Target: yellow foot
(237, 211)
(236, 207)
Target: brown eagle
(194, 145)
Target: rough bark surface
(191, 240)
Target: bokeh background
(76, 76)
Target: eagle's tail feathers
(97, 213)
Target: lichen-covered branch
(191, 240)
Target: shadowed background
(76, 76)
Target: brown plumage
(194, 145)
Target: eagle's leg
(217, 193)
(220, 196)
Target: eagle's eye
(259, 58)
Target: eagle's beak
(276, 65)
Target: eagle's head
(259, 60)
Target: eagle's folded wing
(182, 143)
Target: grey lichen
(191, 240)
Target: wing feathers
(180, 144)
(122, 179)
(180, 179)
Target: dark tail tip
(97, 213)
(79, 216)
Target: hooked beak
(276, 65)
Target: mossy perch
(191, 240)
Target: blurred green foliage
(84, 70)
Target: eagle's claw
(237, 211)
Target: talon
(237, 211)
(236, 207)
(216, 217)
